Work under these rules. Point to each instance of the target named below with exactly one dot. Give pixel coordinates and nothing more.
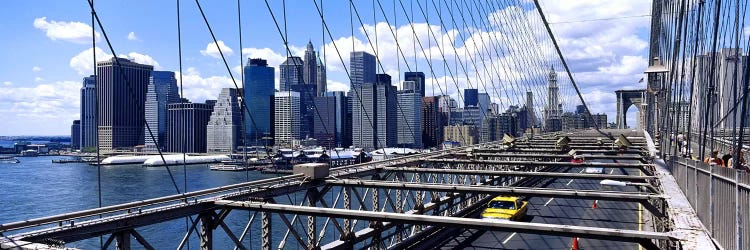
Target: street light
(654, 87)
(656, 67)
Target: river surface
(36, 188)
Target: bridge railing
(720, 197)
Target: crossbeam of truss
(642, 237)
(520, 173)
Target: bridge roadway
(607, 214)
(544, 210)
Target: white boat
(187, 159)
(29, 153)
(8, 159)
(229, 167)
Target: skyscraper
(307, 114)
(553, 111)
(325, 123)
(731, 77)
(581, 120)
(497, 125)
(258, 92)
(322, 80)
(75, 135)
(494, 108)
(729, 72)
(361, 68)
(471, 97)
(330, 127)
(432, 131)
(483, 103)
(187, 126)
(88, 112)
(464, 134)
(293, 79)
(530, 109)
(224, 129)
(472, 115)
(386, 110)
(121, 93)
(291, 72)
(287, 117)
(418, 79)
(310, 66)
(374, 122)
(162, 90)
(409, 117)
(348, 129)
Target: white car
(593, 170)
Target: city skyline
(407, 125)
(52, 85)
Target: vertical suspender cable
(96, 117)
(182, 116)
(244, 98)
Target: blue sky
(47, 48)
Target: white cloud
(597, 101)
(198, 88)
(76, 32)
(38, 79)
(7, 83)
(132, 37)
(36, 69)
(45, 108)
(56, 99)
(83, 63)
(336, 86)
(143, 59)
(274, 59)
(212, 50)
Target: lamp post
(655, 89)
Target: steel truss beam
(573, 144)
(110, 225)
(556, 156)
(643, 198)
(576, 147)
(643, 237)
(521, 173)
(494, 190)
(579, 151)
(540, 163)
(433, 206)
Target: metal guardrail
(724, 144)
(720, 197)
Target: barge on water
(157, 161)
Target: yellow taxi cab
(505, 208)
